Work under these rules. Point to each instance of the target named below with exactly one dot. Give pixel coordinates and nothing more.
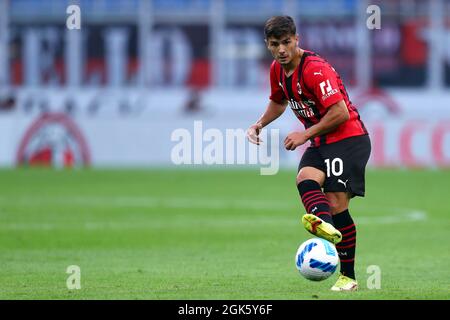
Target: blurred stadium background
(105, 99)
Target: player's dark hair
(279, 26)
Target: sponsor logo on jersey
(303, 108)
(327, 90)
(329, 94)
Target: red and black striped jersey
(311, 90)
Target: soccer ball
(316, 259)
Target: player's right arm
(273, 111)
(275, 108)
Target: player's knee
(337, 205)
(304, 176)
(299, 179)
(334, 206)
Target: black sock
(314, 200)
(346, 248)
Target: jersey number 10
(336, 168)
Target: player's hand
(294, 139)
(253, 133)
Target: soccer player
(339, 147)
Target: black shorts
(343, 162)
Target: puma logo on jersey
(281, 85)
(318, 73)
(344, 183)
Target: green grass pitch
(210, 234)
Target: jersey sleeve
(276, 91)
(322, 80)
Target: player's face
(283, 50)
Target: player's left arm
(323, 82)
(335, 116)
